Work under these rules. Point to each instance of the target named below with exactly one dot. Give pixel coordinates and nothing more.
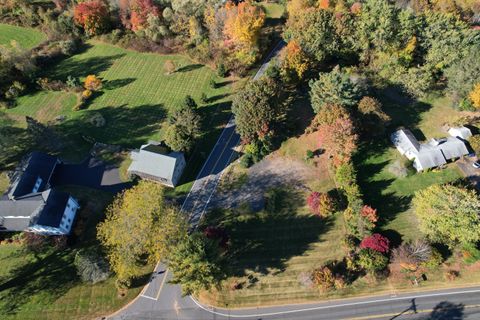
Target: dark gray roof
(45, 208)
(36, 165)
(52, 211)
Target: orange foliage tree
(93, 16)
(339, 140)
(141, 9)
(92, 83)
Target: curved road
(161, 300)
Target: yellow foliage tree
(243, 24)
(92, 83)
(139, 225)
(475, 96)
(295, 59)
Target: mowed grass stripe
(25, 37)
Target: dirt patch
(273, 171)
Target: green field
(46, 286)
(25, 37)
(135, 100)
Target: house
(434, 153)
(31, 204)
(460, 132)
(154, 162)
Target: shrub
(376, 242)
(34, 242)
(169, 67)
(189, 102)
(321, 204)
(91, 266)
(411, 255)
(92, 83)
(372, 261)
(324, 278)
(68, 47)
(434, 261)
(470, 253)
(309, 154)
(451, 275)
(212, 84)
(221, 70)
(246, 161)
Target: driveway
(471, 173)
(91, 173)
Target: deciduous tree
(93, 16)
(138, 224)
(372, 261)
(448, 214)
(475, 96)
(256, 108)
(196, 263)
(339, 140)
(92, 83)
(294, 60)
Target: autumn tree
(448, 214)
(339, 140)
(294, 60)
(138, 224)
(314, 31)
(242, 27)
(92, 83)
(243, 23)
(140, 12)
(376, 242)
(93, 16)
(321, 204)
(256, 108)
(372, 116)
(334, 87)
(475, 96)
(196, 263)
(475, 143)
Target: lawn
(26, 37)
(273, 10)
(46, 286)
(136, 98)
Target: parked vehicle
(476, 165)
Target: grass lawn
(135, 100)
(46, 286)
(26, 37)
(273, 10)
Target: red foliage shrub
(217, 233)
(321, 204)
(376, 242)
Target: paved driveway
(91, 173)
(473, 174)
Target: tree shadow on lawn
(189, 67)
(83, 67)
(117, 83)
(127, 126)
(51, 275)
(388, 204)
(264, 241)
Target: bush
(376, 242)
(68, 47)
(434, 261)
(470, 253)
(372, 261)
(321, 204)
(246, 161)
(221, 70)
(189, 102)
(91, 266)
(204, 98)
(212, 84)
(309, 154)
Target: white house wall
(69, 215)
